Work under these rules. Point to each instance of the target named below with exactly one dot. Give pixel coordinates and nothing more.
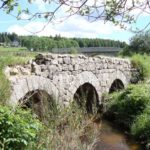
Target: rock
(7, 71)
(14, 71)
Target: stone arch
(86, 96)
(41, 103)
(22, 85)
(117, 79)
(117, 85)
(81, 79)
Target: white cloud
(17, 29)
(24, 16)
(73, 27)
(41, 5)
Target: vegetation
(73, 51)
(70, 125)
(128, 104)
(139, 44)
(7, 37)
(18, 128)
(141, 126)
(10, 59)
(12, 49)
(48, 43)
(130, 109)
(142, 63)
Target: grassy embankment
(130, 108)
(10, 57)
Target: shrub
(18, 128)
(138, 44)
(73, 51)
(141, 126)
(128, 104)
(141, 62)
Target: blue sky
(75, 26)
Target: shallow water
(110, 138)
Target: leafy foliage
(141, 126)
(138, 44)
(73, 51)
(118, 12)
(131, 109)
(125, 106)
(17, 128)
(141, 62)
(48, 43)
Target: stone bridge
(65, 77)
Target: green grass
(130, 109)
(141, 126)
(71, 128)
(10, 59)
(142, 63)
(12, 48)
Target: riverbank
(129, 109)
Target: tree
(117, 11)
(140, 43)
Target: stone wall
(61, 75)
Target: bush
(18, 129)
(141, 126)
(73, 51)
(128, 104)
(138, 44)
(142, 63)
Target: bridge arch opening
(117, 85)
(42, 104)
(86, 97)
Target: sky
(75, 26)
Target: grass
(12, 48)
(72, 129)
(64, 128)
(10, 59)
(142, 63)
(130, 109)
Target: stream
(111, 138)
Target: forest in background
(48, 43)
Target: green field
(13, 48)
